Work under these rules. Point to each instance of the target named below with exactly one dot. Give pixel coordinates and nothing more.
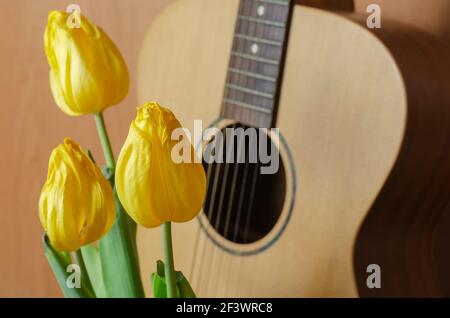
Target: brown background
(31, 125)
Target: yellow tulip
(76, 206)
(153, 188)
(87, 71)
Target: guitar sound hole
(242, 204)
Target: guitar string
(205, 278)
(247, 222)
(217, 168)
(197, 236)
(225, 177)
(244, 240)
(241, 147)
(199, 229)
(236, 265)
(218, 217)
(236, 228)
(228, 214)
(239, 47)
(195, 260)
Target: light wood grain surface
(31, 125)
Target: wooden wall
(31, 125)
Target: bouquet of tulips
(90, 215)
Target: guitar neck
(256, 65)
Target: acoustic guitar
(364, 172)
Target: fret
(252, 83)
(248, 98)
(260, 30)
(262, 21)
(253, 75)
(257, 9)
(255, 58)
(253, 66)
(258, 40)
(277, 2)
(250, 91)
(246, 105)
(264, 51)
(249, 116)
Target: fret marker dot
(261, 10)
(254, 48)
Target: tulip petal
(88, 73)
(136, 176)
(76, 205)
(151, 186)
(58, 94)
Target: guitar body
(365, 123)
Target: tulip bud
(76, 206)
(153, 188)
(87, 71)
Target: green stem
(59, 262)
(84, 273)
(169, 268)
(119, 259)
(104, 140)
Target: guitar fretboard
(256, 64)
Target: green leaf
(58, 262)
(158, 286)
(119, 258)
(91, 256)
(184, 287)
(160, 268)
(84, 274)
(158, 283)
